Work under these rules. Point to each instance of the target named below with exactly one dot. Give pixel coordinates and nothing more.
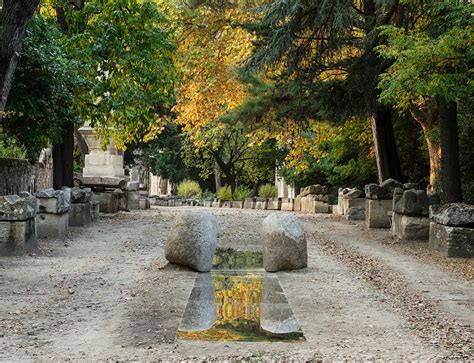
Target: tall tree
(15, 15)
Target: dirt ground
(107, 293)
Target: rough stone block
(238, 204)
(274, 204)
(376, 213)
(249, 203)
(145, 203)
(409, 228)
(17, 237)
(109, 201)
(95, 210)
(208, 203)
(226, 204)
(52, 201)
(216, 204)
(456, 215)
(261, 204)
(320, 207)
(353, 194)
(314, 189)
(355, 214)
(287, 204)
(382, 191)
(133, 186)
(297, 204)
(17, 208)
(52, 225)
(452, 241)
(78, 195)
(80, 214)
(358, 203)
(132, 199)
(411, 202)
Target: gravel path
(106, 292)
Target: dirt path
(106, 292)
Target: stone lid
(17, 207)
(457, 215)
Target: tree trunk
(386, 154)
(63, 159)
(427, 117)
(217, 176)
(81, 143)
(450, 166)
(14, 17)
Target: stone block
(355, 214)
(411, 202)
(208, 203)
(52, 225)
(103, 164)
(95, 210)
(226, 204)
(287, 204)
(297, 204)
(17, 208)
(261, 204)
(382, 191)
(80, 214)
(409, 228)
(217, 203)
(109, 201)
(452, 241)
(249, 203)
(133, 186)
(145, 203)
(320, 207)
(52, 201)
(314, 189)
(456, 215)
(17, 237)
(238, 204)
(358, 203)
(274, 204)
(78, 195)
(132, 199)
(376, 213)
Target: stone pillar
(17, 224)
(53, 214)
(99, 162)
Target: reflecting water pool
(230, 305)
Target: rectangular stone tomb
(80, 214)
(376, 213)
(52, 225)
(17, 237)
(238, 307)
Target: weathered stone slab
(353, 194)
(452, 241)
(411, 202)
(297, 204)
(104, 182)
(133, 186)
(95, 210)
(355, 214)
(287, 204)
(376, 213)
(192, 240)
(409, 228)
(50, 225)
(238, 204)
(132, 199)
(320, 207)
(284, 243)
(80, 214)
(274, 204)
(108, 201)
(52, 201)
(249, 203)
(78, 195)
(144, 203)
(314, 189)
(456, 215)
(17, 208)
(358, 203)
(17, 237)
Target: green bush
(207, 195)
(9, 149)
(225, 193)
(267, 191)
(242, 193)
(189, 189)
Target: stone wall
(16, 176)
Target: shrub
(207, 195)
(9, 149)
(242, 193)
(267, 191)
(189, 189)
(225, 193)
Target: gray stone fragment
(133, 199)
(411, 202)
(355, 214)
(382, 191)
(78, 195)
(192, 240)
(284, 243)
(314, 189)
(456, 215)
(353, 194)
(16, 208)
(52, 201)
(133, 186)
